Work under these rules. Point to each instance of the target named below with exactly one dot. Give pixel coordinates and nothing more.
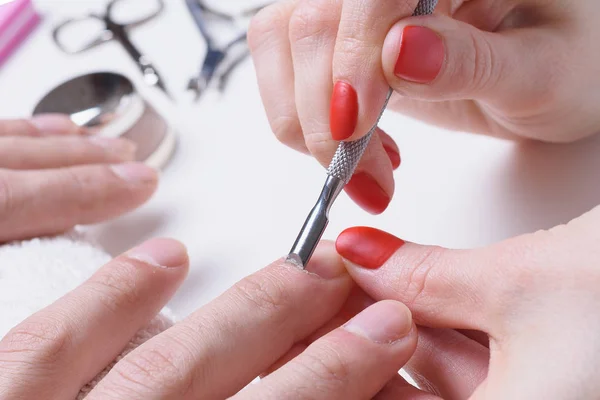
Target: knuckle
(82, 185)
(265, 293)
(286, 128)
(485, 70)
(7, 196)
(351, 48)
(329, 368)
(42, 341)
(116, 288)
(155, 367)
(417, 284)
(312, 21)
(269, 22)
(319, 143)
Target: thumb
(439, 58)
(444, 288)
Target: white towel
(35, 273)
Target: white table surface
(236, 197)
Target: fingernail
(53, 124)
(384, 323)
(160, 253)
(134, 172)
(421, 55)
(367, 247)
(344, 111)
(394, 156)
(122, 149)
(367, 193)
(326, 262)
(391, 148)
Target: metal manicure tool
(95, 29)
(218, 59)
(110, 105)
(340, 171)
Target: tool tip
(295, 260)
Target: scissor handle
(159, 10)
(104, 36)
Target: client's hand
(281, 322)
(53, 177)
(537, 298)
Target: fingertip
(366, 247)
(326, 262)
(55, 124)
(120, 149)
(364, 189)
(161, 253)
(391, 148)
(412, 54)
(386, 322)
(344, 111)
(136, 173)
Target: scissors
(114, 30)
(216, 56)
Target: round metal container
(110, 106)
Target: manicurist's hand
(527, 306)
(53, 176)
(515, 69)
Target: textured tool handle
(348, 154)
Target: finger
(225, 345)
(313, 31)
(56, 152)
(80, 334)
(372, 185)
(352, 362)
(360, 86)
(487, 15)
(294, 352)
(47, 202)
(391, 148)
(480, 337)
(439, 58)
(41, 125)
(448, 363)
(268, 37)
(443, 288)
(399, 389)
(357, 301)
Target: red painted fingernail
(367, 247)
(391, 148)
(367, 193)
(394, 156)
(421, 55)
(344, 111)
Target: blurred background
(237, 197)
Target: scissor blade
(153, 78)
(161, 85)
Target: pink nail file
(17, 20)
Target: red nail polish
(344, 111)
(367, 193)
(394, 156)
(391, 148)
(421, 55)
(367, 247)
